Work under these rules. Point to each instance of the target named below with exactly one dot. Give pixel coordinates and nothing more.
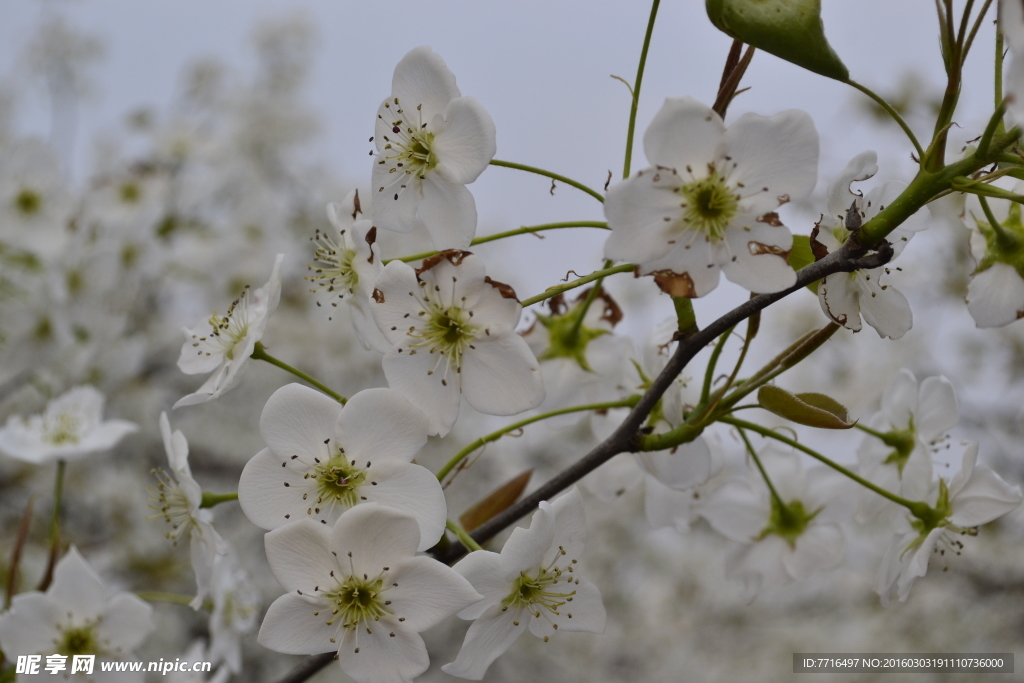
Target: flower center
(357, 601)
(788, 520)
(334, 272)
(28, 201)
(129, 192)
(709, 205)
(338, 480)
(78, 641)
(171, 503)
(63, 429)
(229, 329)
(537, 591)
(408, 148)
(447, 331)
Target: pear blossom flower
(995, 295)
(35, 204)
(845, 297)
(912, 420)
(70, 428)
(347, 265)
(177, 499)
(236, 604)
(707, 201)
(781, 542)
(431, 142)
(73, 617)
(975, 496)
(359, 589)
(584, 363)
(531, 584)
(322, 459)
(222, 345)
(452, 331)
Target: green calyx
(789, 29)
(927, 518)
(566, 339)
(902, 441)
(1004, 241)
(788, 521)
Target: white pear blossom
(359, 589)
(707, 201)
(35, 204)
(236, 605)
(322, 459)
(532, 584)
(995, 295)
(71, 427)
(453, 335)
(975, 496)
(845, 297)
(782, 539)
(347, 266)
(431, 142)
(222, 345)
(74, 617)
(177, 499)
(580, 363)
(912, 420)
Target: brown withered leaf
(357, 208)
(371, 237)
(495, 502)
(612, 312)
(758, 248)
(506, 291)
(819, 250)
(771, 218)
(378, 296)
(453, 256)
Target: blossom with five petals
(707, 202)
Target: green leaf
(811, 409)
(801, 256)
(496, 501)
(789, 29)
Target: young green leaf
(810, 409)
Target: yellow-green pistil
(355, 601)
(79, 640)
(447, 331)
(338, 480)
(28, 201)
(333, 270)
(408, 147)
(709, 205)
(788, 521)
(62, 430)
(534, 592)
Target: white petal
(464, 143)
(665, 507)
(106, 435)
(501, 376)
(644, 215)
(916, 564)
(265, 499)
(774, 157)
(525, 549)
(483, 570)
(391, 653)
(757, 258)
(487, 639)
(427, 592)
(736, 511)
(299, 556)
(422, 78)
(411, 489)
(447, 211)
(394, 207)
(374, 536)
(886, 310)
(995, 296)
(937, 410)
(570, 524)
(614, 477)
(978, 495)
(30, 626)
(840, 196)
(291, 627)
(126, 622)
(899, 402)
(397, 301)
(819, 547)
(297, 420)
(839, 297)
(689, 464)
(458, 280)
(697, 259)
(437, 394)
(76, 586)
(683, 133)
(379, 424)
(916, 477)
(586, 608)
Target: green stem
(995, 124)
(998, 86)
(582, 313)
(58, 491)
(1005, 239)
(760, 467)
(260, 353)
(548, 174)
(463, 537)
(173, 598)
(558, 289)
(210, 499)
(974, 31)
(494, 436)
(524, 230)
(705, 391)
(868, 430)
(893, 113)
(636, 88)
(772, 434)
